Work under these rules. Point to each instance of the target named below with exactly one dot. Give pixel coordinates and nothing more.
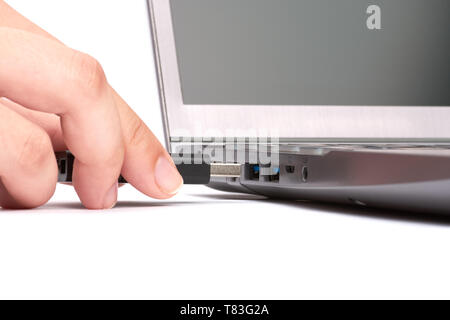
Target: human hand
(53, 98)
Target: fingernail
(110, 199)
(167, 176)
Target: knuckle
(88, 73)
(35, 149)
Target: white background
(202, 243)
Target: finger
(49, 122)
(46, 76)
(147, 165)
(143, 149)
(28, 171)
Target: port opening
(274, 175)
(305, 174)
(274, 178)
(254, 172)
(262, 173)
(290, 169)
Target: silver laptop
(343, 101)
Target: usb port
(254, 172)
(275, 176)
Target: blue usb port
(275, 177)
(254, 171)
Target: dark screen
(313, 52)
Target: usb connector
(202, 173)
(192, 172)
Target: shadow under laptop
(349, 210)
(372, 213)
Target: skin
(54, 98)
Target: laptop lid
(305, 70)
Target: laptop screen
(313, 52)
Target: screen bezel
(324, 123)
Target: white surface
(201, 244)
